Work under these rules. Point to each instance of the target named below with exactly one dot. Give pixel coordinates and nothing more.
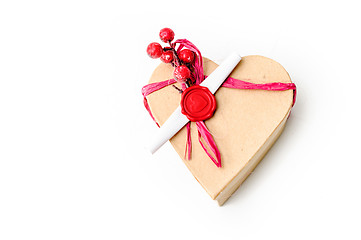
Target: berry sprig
(181, 62)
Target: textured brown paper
(242, 123)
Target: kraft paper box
(245, 124)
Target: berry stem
(178, 89)
(177, 61)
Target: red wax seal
(198, 103)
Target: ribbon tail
(203, 133)
(187, 154)
(146, 105)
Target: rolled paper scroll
(177, 120)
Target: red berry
(182, 73)
(166, 34)
(154, 50)
(186, 55)
(167, 56)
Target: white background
(73, 125)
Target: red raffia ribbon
(198, 77)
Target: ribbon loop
(203, 133)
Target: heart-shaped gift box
(245, 125)
(252, 107)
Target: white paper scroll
(177, 120)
